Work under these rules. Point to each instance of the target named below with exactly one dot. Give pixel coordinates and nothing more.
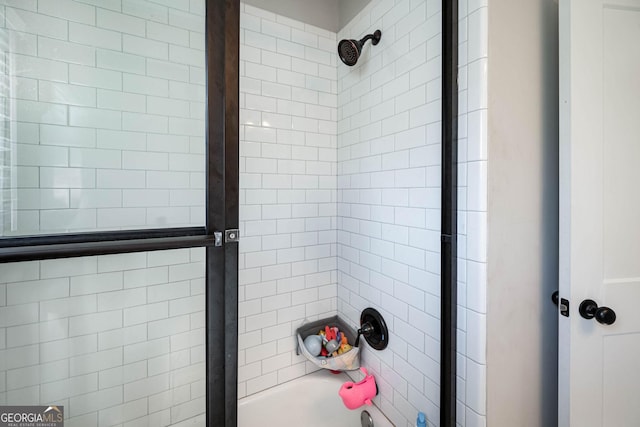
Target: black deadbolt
(588, 308)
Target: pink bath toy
(354, 395)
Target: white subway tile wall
(288, 113)
(116, 339)
(104, 116)
(472, 216)
(389, 150)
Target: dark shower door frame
(222, 181)
(449, 215)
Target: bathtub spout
(365, 419)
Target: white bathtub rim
(319, 375)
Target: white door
(600, 211)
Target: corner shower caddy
(348, 361)
(372, 327)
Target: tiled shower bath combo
(340, 177)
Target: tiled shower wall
(389, 109)
(388, 194)
(103, 114)
(117, 339)
(388, 181)
(472, 216)
(287, 192)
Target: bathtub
(309, 401)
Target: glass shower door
(113, 339)
(104, 116)
(109, 158)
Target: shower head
(349, 50)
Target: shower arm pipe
(366, 38)
(375, 38)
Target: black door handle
(604, 315)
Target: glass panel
(104, 115)
(117, 339)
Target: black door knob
(604, 315)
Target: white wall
(323, 14)
(115, 339)
(389, 154)
(105, 114)
(287, 191)
(507, 364)
(331, 15)
(522, 334)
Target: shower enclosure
(138, 135)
